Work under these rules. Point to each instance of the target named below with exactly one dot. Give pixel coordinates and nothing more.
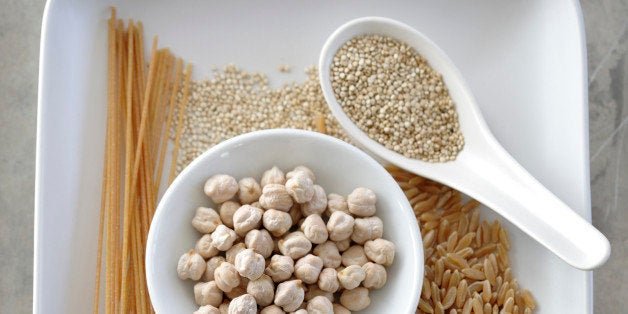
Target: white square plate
(524, 60)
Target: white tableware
(339, 168)
(483, 169)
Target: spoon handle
(499, 182)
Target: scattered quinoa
(396, 98)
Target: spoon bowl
(483, 169)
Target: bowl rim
(415, 237)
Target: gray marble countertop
(606, 24)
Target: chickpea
(308, 268)
(223, 238)
(343, 245)
(328, 252)
(249, 190)
(380, 251)
(336, 203)
(244, 304)
(207, 293)
(272, 309)
(317, 204)
(361, 202)
(250, 264)
(230, 255)
(275, 196)
(247, 218)
(276, 222)
(375, 275)
(207, 309)
(227, 209)
(314, 291)
(259, 241)
(289, 295)
(328, 280)
(273, 176)
(280, 268)
(365, 229)
(340, 226)
(226, 277)
(339, 309)
(205, 248)
(299, 311)
(295, 245)
(262, 289)
(224, 307)
(212, 264)
(205, 220)
(356, 299)
(305, 170)
(351, 277)
(354, 256)
(221, 188)
(191, 265)
(320, 305)
(314, 229)
(300, 187)
(295, 213)
(237, 291)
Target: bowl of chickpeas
(284, 221)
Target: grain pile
(394, 96)
(235, 102)
(467, 269)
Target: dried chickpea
(365, 229)
(262, 289)
(336, 203)
(328, 252)
(300, 311)
(280, 268)
(227, 209)
(289, 295)
(205, 220)
(308, 268)
(272, 309)
(230, 255)
(205, 248)
(295, 213)
(313, 291)
(303, 169)
(250, 264)
(247, 218)
(224, 307)
(295, 245)
(226, 277)
(380, 251)
(275, 196)
(260, 241)
(276, 222)
(320, 305)
(340, 226)
(244, 304)
(207, 293)
(314, 229)
(191, 265)
(343, 245)
(328, 280)
(212, 264)
(273, 176)
(317, 204)
(356, 299)
(223, 238)
(221, 188)
(351, 276)
(300, 187)
(354, 256)
(361, 202)
(339, 309)
(207, 309)
(374, 275)
(237, 291)
(249, 190)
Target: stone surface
(606, 24)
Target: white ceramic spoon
(483, 169)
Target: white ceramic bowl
(339, 168)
